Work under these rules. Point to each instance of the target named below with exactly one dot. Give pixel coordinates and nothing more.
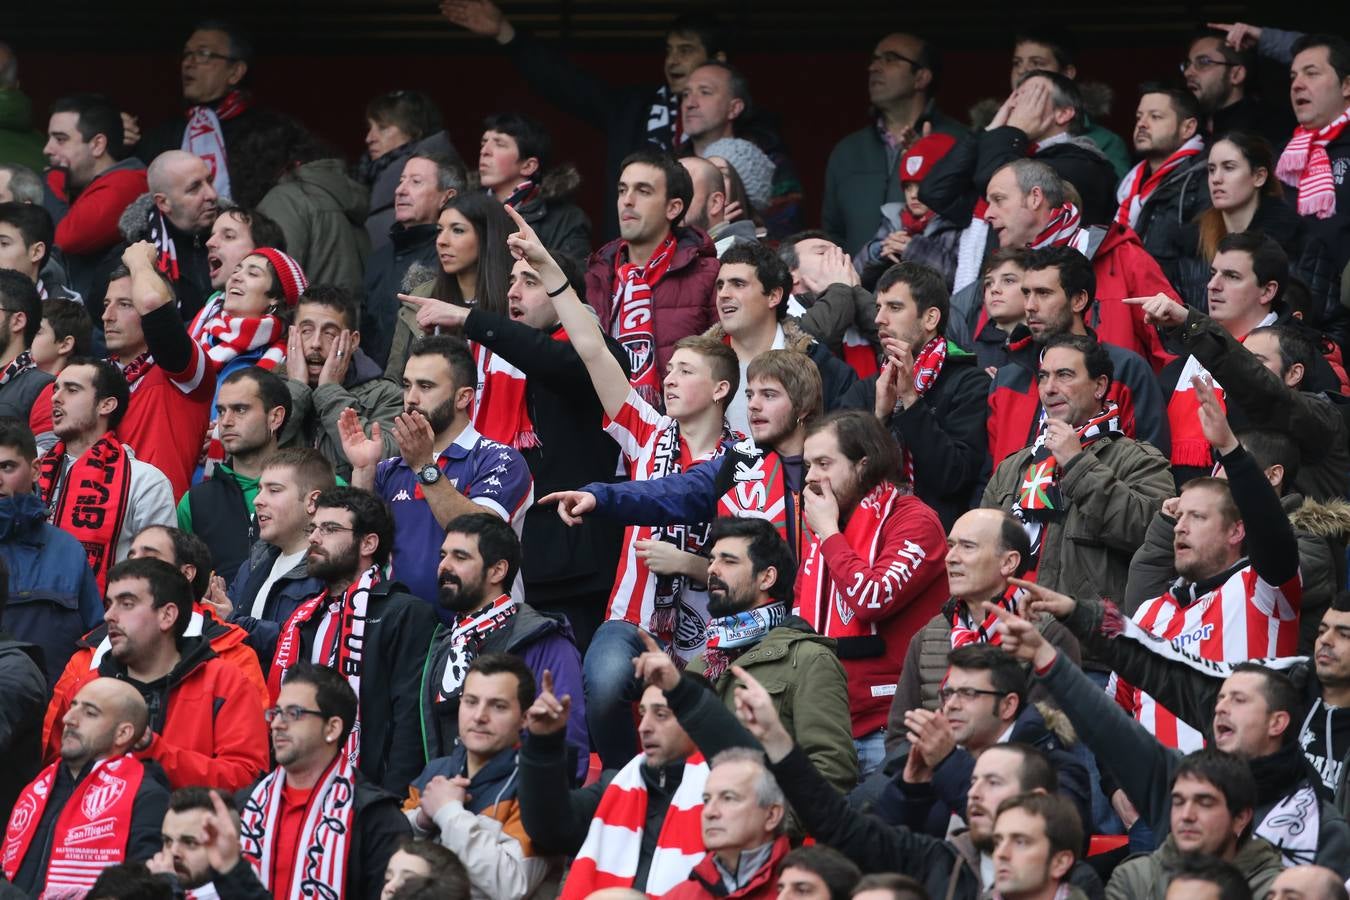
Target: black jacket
(18, 394)
(564, 564)
(193, 284)
(221, 518)
(945, 432)
(1326, 251)
(285, 597)
(379, 828)
(144, 841)
(23, 688)
(1181, 196)
(386, 270)
(561, 225)
(168, 135)
(960, 178)
(398, 630)
(1179, 253)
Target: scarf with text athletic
(1139, 183)
(1304, 164)
(829, 610)
(500, 412)
(320, 865)
(91, 501)
(759, 487)
(204, 138)
(91, 831)
(609, 855)
(632, 313)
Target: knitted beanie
(289, 273)
(750, 162)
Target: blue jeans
(871, 753)
(611, 691)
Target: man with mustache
(184, 860)
(480, 560)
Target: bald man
(708, 208)
(1307, 883)
(97, 806)
(182, 207)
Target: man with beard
(445, 469)
(1167, 187)
(480, 559)
(750, 577)
(184, 861)
(361, 617)
(252, 407)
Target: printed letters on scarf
(91, 501)
(204, 138)
(633, 313)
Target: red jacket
(211, 732)
(1125, 269)
(90, 225)
(683, 301)
(705, 880)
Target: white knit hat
(750, 163)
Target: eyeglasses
(327, 529)
(967, 694)
(1201, 63)
(892, 57)
(203, 56)
(290, 713)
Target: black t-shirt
(1325, 739)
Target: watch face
(428, 474)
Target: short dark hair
(1064, 93)
(332, 694)
(16, 435)
(108, 382)
(506, 664)
(167, 586)
(33, 222)
(446, 868)
(272, 390)
(862, 438)
(18, 293)
(901, 887)
(926, 285)
(455, 352)
(1012, 536)
(531, 137)
(1230, 774)
(769, 268)
(1277, 689)
(370, 515)
(497, 541)
(412, 112)
(1095, 356)
(1338, 51)
(707, 28)
(721, 359)
(241, 48)
(262, 229)
(997, 257)
(1037, 772)
(1228, 878)
(1269, 447)
(69, 318)
(96, 115)
(766, 548)
(1295, 346)
(738, 84)
(1184, 103)
(787, 248)
(129, 881)
(334, 297)
(1063, 826)
(1061, 43)
(186, 799)
(1269, 261)
(311, 470)
(839, 873)
(1005, 673)
(189, 549)
(1075, 270)
(679, 186)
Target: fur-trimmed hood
(134, 223)
(560, 182)
(1057, 722)
(1326, 519)
(794, 338)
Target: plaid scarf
(20, 364)
(204, 138)
(524, 192)
(730, 636)
(166, 252)
(1304, 164)
(1138, 184)
(500, 411)
(1061, 230)
(632, 310)
(663, 120)
(467, 637)
(91, 501)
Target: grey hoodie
(322, 212)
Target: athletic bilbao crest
(101, 797)
(843, 609)
(639, 354)
(913, 165)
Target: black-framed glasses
(327, 529)
(202, 56)
(290, 713)
(967, 694)
(1201, 63)
(891, 56)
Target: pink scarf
(1305, 164)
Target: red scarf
(500, 411)
(609, 855)
(91, 501)
(964, 629)
(204, 138)
(225, 336)
(1061, 230)
(632, 310)
(137, 369)
(166, 251)
(320, 865)
(1305, 164)
(20, 364)
(1039, 494)
(759, 491)
(911, 224)
(91, 830)
(1189, 445)
(927, 368)
(819, 600)
(1138, 184)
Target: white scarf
(204, 138)
(1293, 825)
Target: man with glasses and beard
(480, 560)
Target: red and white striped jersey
(652, 448)
(1244, 618)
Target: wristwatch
(429, 474)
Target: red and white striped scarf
(609, 856)
(1061, 230)
(633, 313)
(166, 251)
(927, 368)
(1189, 445)
(1304, 164)
(204, 138)
(964, 629)
(320, 865)
(225, 336)
(1138, 184)
(500, 412)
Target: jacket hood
(330, 176)
(16, 110)
(21, 515)
(134, 223)
(560, 182)
(1327, 519)
(741, 228)
(363, 369)
(1117, 236)
(532, 625)
(1057, 723)
(794, 338)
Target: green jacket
(406, 330)
(801, 672)
(322, 213)
(1112, 490)
(19, 141)
(314, 411)
(1111, 145)
(1147, 877)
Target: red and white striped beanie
(292, 277)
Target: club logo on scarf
(100, 798)
(639, 354)
(23, 813)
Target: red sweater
(90, 225)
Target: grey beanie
(750, 162)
